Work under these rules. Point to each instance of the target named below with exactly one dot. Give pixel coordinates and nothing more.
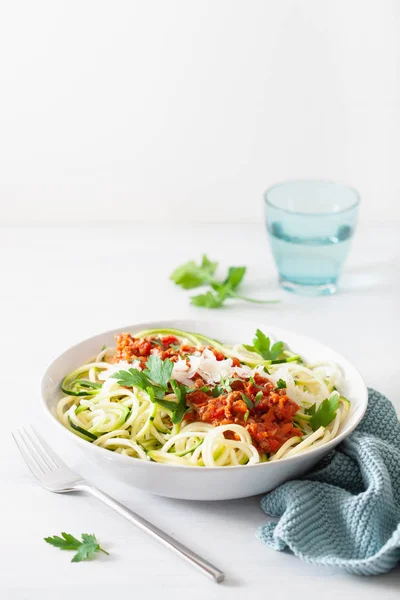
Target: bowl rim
(130, 460)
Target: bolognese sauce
(268, 419)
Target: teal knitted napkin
(346, 511)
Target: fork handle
(203, 565)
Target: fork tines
(38, 456)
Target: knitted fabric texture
(346, 511)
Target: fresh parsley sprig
(86, 548)
(272, 353)
(192, 275)
(262, 346)
(154, 381)
(325, 413)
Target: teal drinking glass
(310, 225)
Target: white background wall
(188, 109)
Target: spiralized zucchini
(128, 421)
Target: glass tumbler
(310, 224)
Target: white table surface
(60, 285)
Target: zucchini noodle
(103, 406)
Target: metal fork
(57, 477)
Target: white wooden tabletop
(60, 285)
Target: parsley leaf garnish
(223, 388)
(217, 391)
(325, 413)
(86, 548)
(204, 388)
(154, 381)
(191, 275)
(258, 398)
(180, 391)
(159, 371)
(247, 400)
(262, 346)
(280, 384)
(132, 378)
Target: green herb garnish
(258, 398)
(247, 400)
(246, 416)
(217, 391)
(262, 346)
(325, 413)
(86, 548)
(159, 371)
(181, 407)
(175, 346)
(224, 387)
(191, 275)
(154, 381)
(204, 388)
(280, 385)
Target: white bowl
(205, 483)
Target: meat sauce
(268, 419)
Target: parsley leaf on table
(86, 548)
(262, 346)
(191, 275)
(325, 413)
(232, 281)
(222, 290)
(235, 277)
(208, 300)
